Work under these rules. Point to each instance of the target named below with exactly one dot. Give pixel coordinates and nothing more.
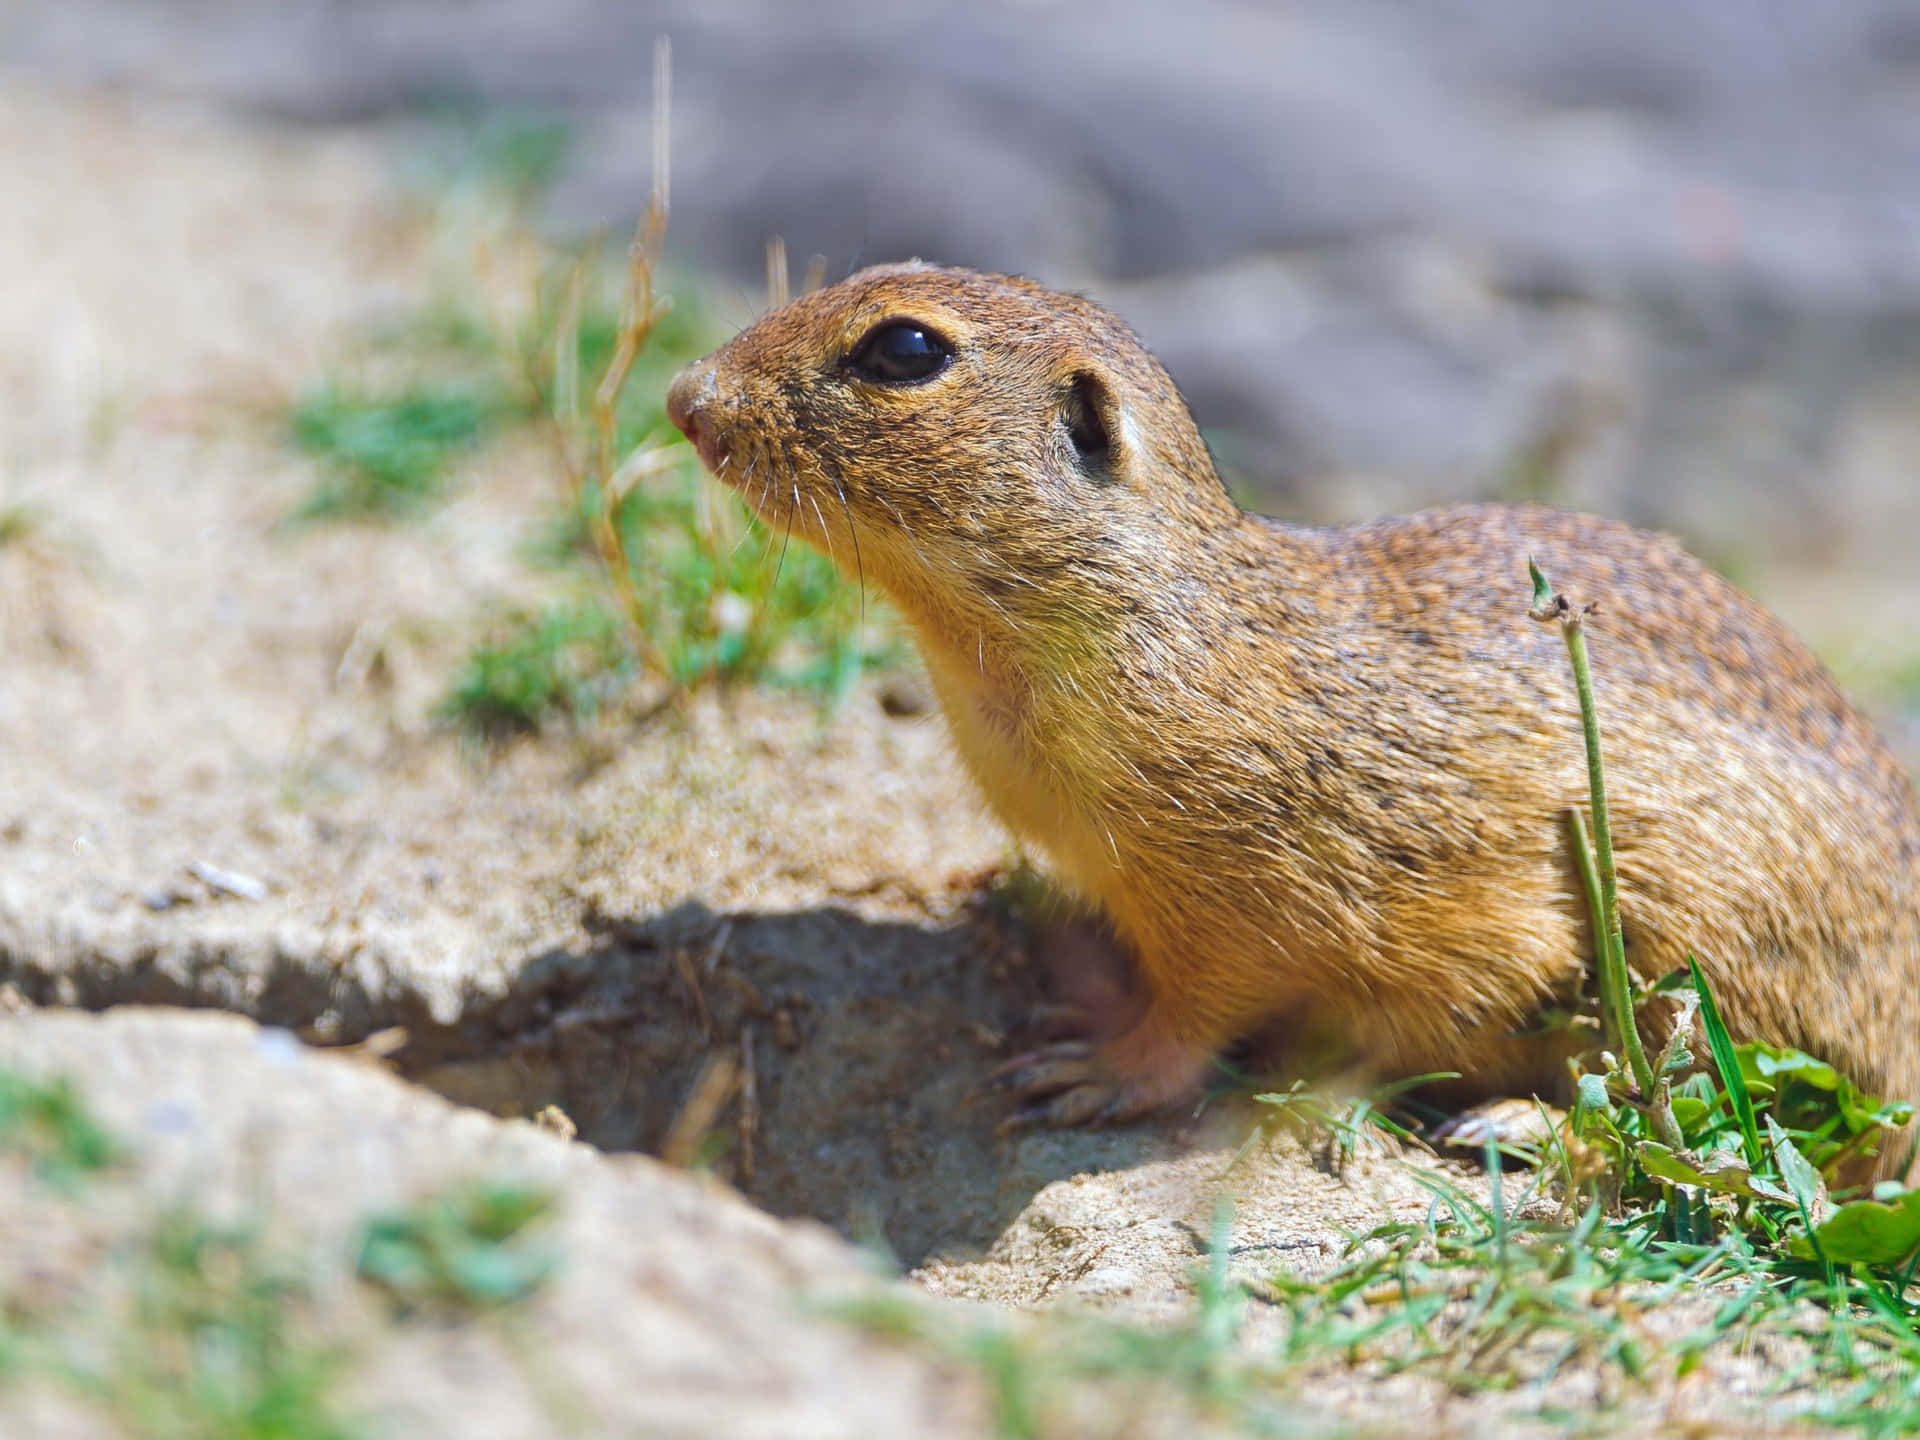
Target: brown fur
(1323, 775)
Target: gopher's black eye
(898, 353)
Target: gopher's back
(1760, 822)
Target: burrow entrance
(825, 1064)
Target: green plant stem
(1616, 1014)
(1611, 944)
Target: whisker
(756, 462)
(825, 532)
(753, 517)
(853, 531)
(907, 530)
(746, 534)
(786, 534)
(770, 531)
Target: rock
(676, 1308)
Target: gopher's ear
(1095, 425)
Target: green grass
(697, 591)
(745, 606)
(1046, 1374)
(564, 662)
(183, 1327)
(470, 1249)
(45, 1121)
(1484, 1300)
(219, 1345)
(1471, 1295)
(384, 455)
(719, 608)
(19, 522)
(197, 1331)
(692, 591)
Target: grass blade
(1728, 1064)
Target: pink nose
(688, 400)
(692, 389)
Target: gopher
(1317, 778)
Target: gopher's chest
(1040, 771)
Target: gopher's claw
(1083, 1105)
(1043, 1071)
(1065, 1085)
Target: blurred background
(1659, 258)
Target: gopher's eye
(898, 353)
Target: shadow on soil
(841, 1054)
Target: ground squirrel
(1317, 776)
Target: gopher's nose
(689, 400)
(690, 393)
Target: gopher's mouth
(758, 474)
(689, 399)
(712, 448)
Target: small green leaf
(1542, 591)
(1727, 1061)
(1772, 1061)
(1862, 1111)
(494, 1276)
(1689, 1111)
(1809, 1190)
(1722, 1173)
(1868, 1232)
(1663, 1164)
(1768, 1190)
(1670, 982)
(465, 1249)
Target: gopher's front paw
(1076, 1082)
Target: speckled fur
(1323, 775)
